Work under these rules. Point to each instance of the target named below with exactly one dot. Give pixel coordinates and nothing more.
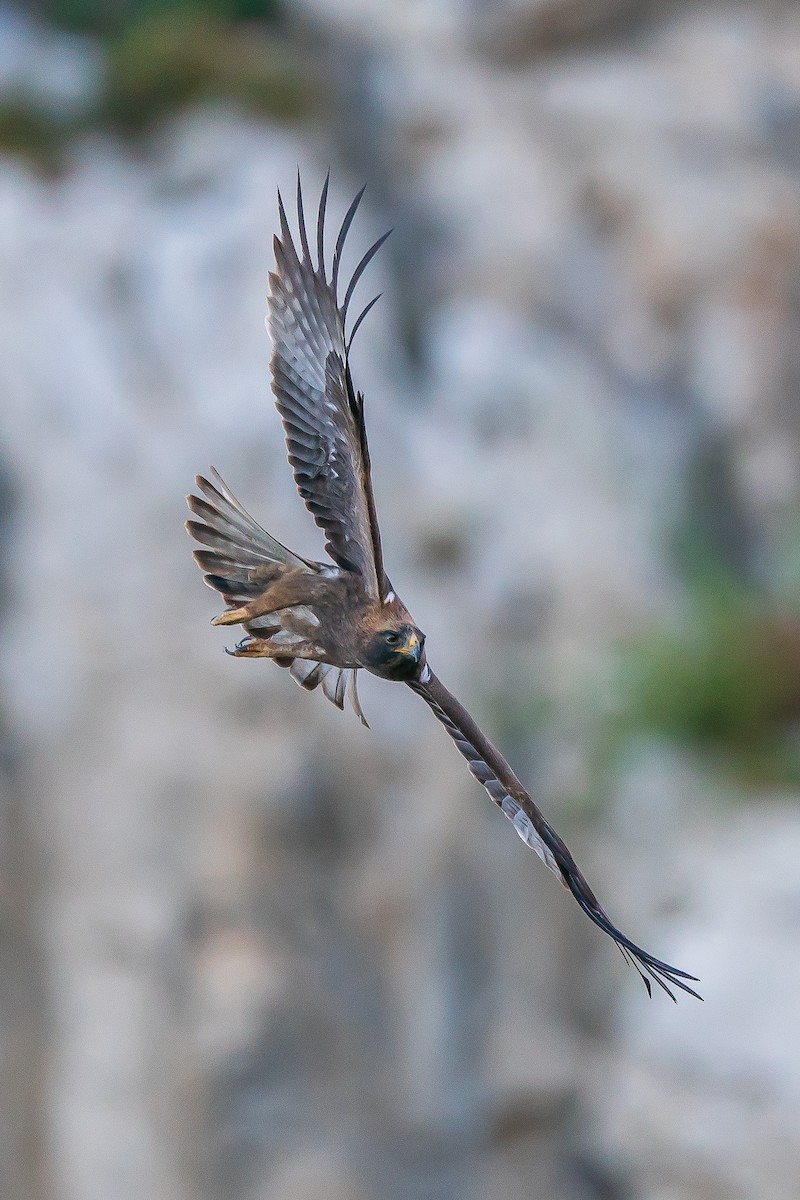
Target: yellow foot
(234, 616)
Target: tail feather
(337, 682)
(234, 590)
(230, 546)
(226, 508)
(243, 559)
(226, 523)
(227, 573)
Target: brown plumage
(325, 621)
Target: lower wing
(489, 767)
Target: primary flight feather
(326, 621)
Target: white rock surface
(714, 1095)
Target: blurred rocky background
(247, 948)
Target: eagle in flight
(326, 621)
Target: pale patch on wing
(481, 771)
(287, 626)
(530, 837)
(287, 638)
(484, 774)
(301, 615)
(263, 627)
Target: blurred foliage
(728, 680)
(518, 713)
(30, 132)
(713, 540)
(163, 62)
(162, 56)
(113, 17)
(782, 554)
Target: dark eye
(391, 638)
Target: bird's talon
(240, 650)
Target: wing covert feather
(321, 413)
(489, 767)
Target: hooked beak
(412, 648)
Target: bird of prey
(326, 621)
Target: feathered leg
(293, 587)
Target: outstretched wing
(489, 767)
(322, 414)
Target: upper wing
(322, 415)
(490, 768)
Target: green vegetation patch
(729, 682)
(31, 133)
(166, 62)
(109, 17)
(163, 56)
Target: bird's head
(395, 650)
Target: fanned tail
(243, 558)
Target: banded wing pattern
(322, 415)
(488, 766)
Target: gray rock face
(636, 197)
(262, 953)
(58, 71)
(714, 1096)
(514, 30)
